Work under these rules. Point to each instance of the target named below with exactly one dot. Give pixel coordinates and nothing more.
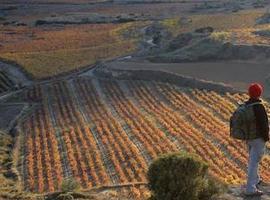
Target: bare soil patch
(235, 73)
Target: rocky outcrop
(208, 49)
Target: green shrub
(180, 176)
(69, 185)
(213, 187)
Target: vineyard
(106, 132)
(48, 52)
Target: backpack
(243, 122)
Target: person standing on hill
(256, 142)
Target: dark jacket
(261, 119)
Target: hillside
(52, 38)
(104, 127)
(107, 132)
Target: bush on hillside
(180, 176)
(69, 185)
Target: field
(50, 50)
(107, 132)
(47, 52)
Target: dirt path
(122, 122)
(237, 74)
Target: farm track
(86, 138)
(105, 156)
(115, 139)
(61, 144)
(77, 137)
(125, 127)
(134, 149)
(24, 172)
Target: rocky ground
(236, 193)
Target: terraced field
(107, 132)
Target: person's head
(255, 90)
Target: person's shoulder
(259, 105)
(259, 102)
(255, 103)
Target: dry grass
(247, 36)
(243, 19)
(220, 21)
(237, 27)
(242, 36)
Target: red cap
(255, 90)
